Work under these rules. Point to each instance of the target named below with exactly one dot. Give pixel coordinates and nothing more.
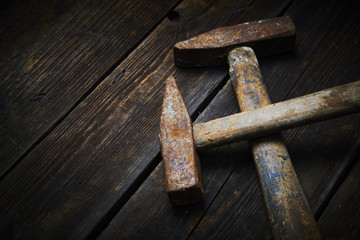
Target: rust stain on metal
(266, 37)
(181, 165)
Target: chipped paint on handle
(181, 165)
(266, 37)
(326, 104)
(288, 210)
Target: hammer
(289, 212)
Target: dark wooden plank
(238, 210)
(341, 218)
(75, 179)
(54, 53)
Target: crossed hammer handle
(288, 210)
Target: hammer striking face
(182, 167)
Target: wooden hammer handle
(329, 103)
(288, 210)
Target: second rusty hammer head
(266, 37)
(181, 164)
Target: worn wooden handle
(322, 105)
(288, 210)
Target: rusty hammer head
(181, 165)
(266, 37)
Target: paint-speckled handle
(288, 209)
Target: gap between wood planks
(171, 15)
(351, 160)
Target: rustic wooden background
(80, 95)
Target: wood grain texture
(53, 53)
(233, 207)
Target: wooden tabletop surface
(80, 95)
